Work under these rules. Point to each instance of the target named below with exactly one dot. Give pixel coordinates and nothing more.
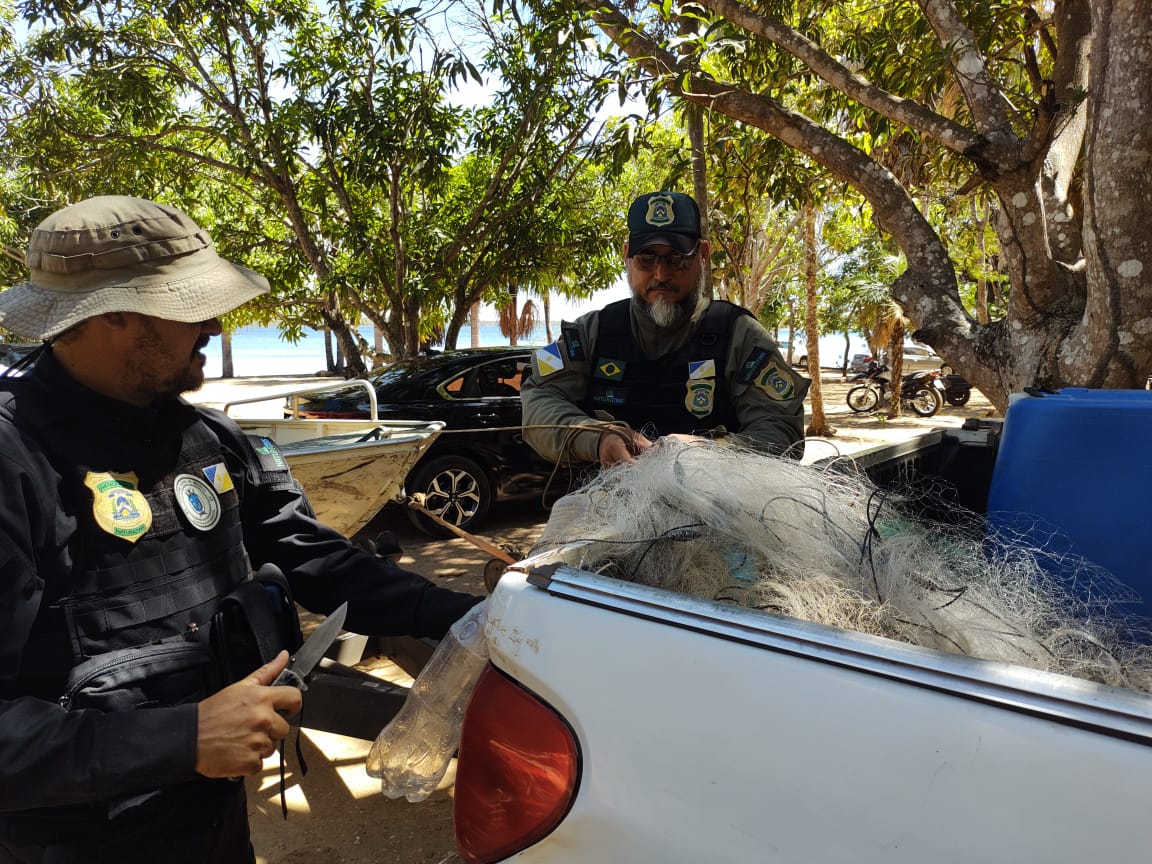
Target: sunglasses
(675, 261)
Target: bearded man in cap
(667, 361)
(137, 650)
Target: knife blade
(301, 664)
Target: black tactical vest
(682, 392)
(163, 587)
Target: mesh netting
(825, 545)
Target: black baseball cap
(663, 219)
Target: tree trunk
(226, 369)
(694, 116)
(377, 344)
(896, 367)
(329, 361)
(819, 425)
(475, 324)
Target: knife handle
(289, 678)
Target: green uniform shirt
(556, 388)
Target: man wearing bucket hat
(130, 526)
(667, 361)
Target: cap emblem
(660, 211)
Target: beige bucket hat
(115, 253)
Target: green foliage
(320, 145)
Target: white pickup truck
(622, 723)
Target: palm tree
(516, 325)
(883, 323)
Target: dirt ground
(336, 813)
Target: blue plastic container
(1081, 461)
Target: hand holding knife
(304, 661)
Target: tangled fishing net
(821, 544)
(825, 545)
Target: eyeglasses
(675, 261)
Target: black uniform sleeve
(323, 567)
(50, 756)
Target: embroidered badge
(119, 507)
(549, 360)
(271, 459)
(610, 370)
(197, 501)
(700, 397)
(701, 369)
(219, 477)
(660, 212)
(777, 384)
(751, 366)
(572, 343)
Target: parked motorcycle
(957, 389)
(921, 392)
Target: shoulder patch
(752, 365)
(271, 459)
(777, 383)
(572, 343)
(549, 359)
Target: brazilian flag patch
(776, 383)
(610, 370)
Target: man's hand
(615, 447)
(241, 725)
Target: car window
(455, 387)
(499, 378)
(490, 380)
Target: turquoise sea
(262, 351)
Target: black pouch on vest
(255, 622)
(165, 673)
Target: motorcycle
(957, 389)
(920, 392)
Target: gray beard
(664, 313)
(667, 314)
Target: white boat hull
(349, 476)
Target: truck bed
(713, 733)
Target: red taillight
(517, 771)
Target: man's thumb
(267, 673)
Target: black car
(476, 390)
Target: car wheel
(454, 488)
(959, 399)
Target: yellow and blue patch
(549, 360)
(219, 477)
(698, 369)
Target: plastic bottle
(412, 753)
